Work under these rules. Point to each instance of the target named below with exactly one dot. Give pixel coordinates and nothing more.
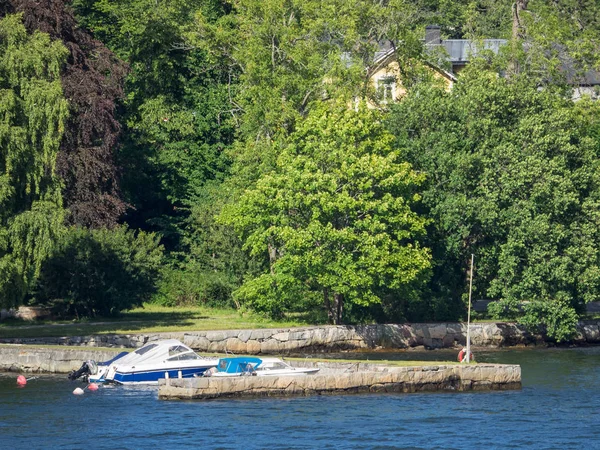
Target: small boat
(94, 372)
(169, 358)
(250, 365)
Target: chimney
(433, 35)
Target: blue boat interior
(239, 364)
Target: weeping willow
(33, 112)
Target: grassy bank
(148, 319)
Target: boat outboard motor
(87, 368)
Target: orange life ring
(462, 354)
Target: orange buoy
(92, 387)
(21, 380)
(462, 356)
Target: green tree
(176, 109)
(334, 219)
(288, 54)
(552, 43)
(91, 80)
(178, 120)
(100, 272)
(281, 56)
(513, 178)
(33, 111)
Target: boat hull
(152, 376)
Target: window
(386, 89)
(184, 357)
(145, 349)
(177, 350)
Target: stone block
(438, 331)
(591, 332)
(281, 337)
(269, 347)
(196, 342)
(244, 335)
(253, 347)
(235, 345)
(260, 335)
(216, 336)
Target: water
(556, 409)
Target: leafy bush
(100, 272)
(505, 309)
(557, 319)
(190, 285)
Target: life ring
(462, 356)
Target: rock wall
(45, 360)
(364, 378)
(330, 338)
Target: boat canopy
(238, 364)
(166, 350)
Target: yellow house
(385, 74)
(385, 77)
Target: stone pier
(346, 378)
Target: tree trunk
(517, 26)
(328, 306)
(518, 32)
(338, 304)
(272, 256)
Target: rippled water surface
(558, 408)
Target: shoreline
(331, 338)
(333, 378)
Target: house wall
(392, 70)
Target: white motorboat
(250, 365)
(161, 359)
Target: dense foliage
(232, 130)
(333, 219)
(513, 178)
(99, 272)
(91, 80)
(33, 114)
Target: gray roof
(461, 50)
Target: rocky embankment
(330, 338)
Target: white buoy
(78, 391)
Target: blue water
(556, 409)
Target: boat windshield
(177, 349)
(184, 357)
(276, 366)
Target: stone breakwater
(46, 360)
(330, 338)
(349, 379)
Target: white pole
(469, 313)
